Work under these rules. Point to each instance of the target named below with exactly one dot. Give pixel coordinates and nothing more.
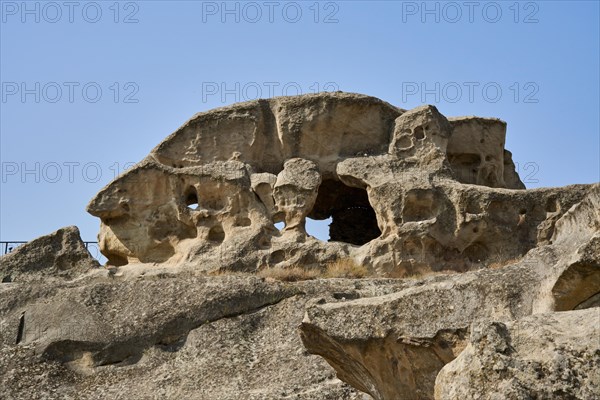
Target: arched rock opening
(353, 220)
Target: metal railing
(8, 246)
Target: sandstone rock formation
(478, 288)
(59, 255)
(407, 191)
(152, 334)
(544, 356)
(394, 346)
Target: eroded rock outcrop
(59, 255)
(394, 346)
(544, 356)
(407, 191)
(478, 288)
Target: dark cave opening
(353, 219)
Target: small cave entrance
(353, 219)
(191, 199)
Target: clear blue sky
(163, 61)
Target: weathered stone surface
(394, 346)
(59, 255)
(265, 133)
(544, 356)
(394, 183)
(295, 192)
(469, 272)
(152, 335)
(476, 153)
(421, 137)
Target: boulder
(543, 356)
(58, 255)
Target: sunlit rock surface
(475, 287)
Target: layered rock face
(477, 288)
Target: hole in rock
(476, 253)
(21, 329)
(353, 220)
(551, 205)
(412, 247)
(346, 295)
(243, 221)
(216, 234)
(404, 142)
(277, 257)
(171, 347)
(191, 199)
(264, 240)
(7, 279)
(280, 225)
(419, 134)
